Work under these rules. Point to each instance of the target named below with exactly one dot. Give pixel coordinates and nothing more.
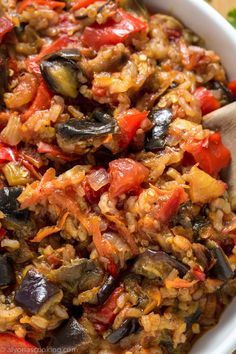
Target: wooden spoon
(224, 120)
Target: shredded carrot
(179, 283)
(49, 230)
(124, 232)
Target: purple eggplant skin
(129, 326)
(71, 336)
(9, 204)
(106, 289)
(222, 269)
(7, 272)
(35, 291)
(156, 138)
(157, 264)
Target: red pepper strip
(169, 209)
(5, 26)
(112, 32)
(42, 101)
(9, 343)
(32, 169)
(198, 273)
(7, 153)
(105, 316)
(210, 153)
(206, 99)
(129, 123)
(82, 3)
(54, 151)
(232, 87)
(32, 63)
(52, 4)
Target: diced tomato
(5, 26)
(52, 4)
(104, 317)
(82, 3)
(198, 273)
(206, 99)
(126, 175)
(7, 153)
(210, 153)
(112, 32)
(42, 101)
(170, 207)
(9, 343)
(129, 122)
(54, 151)
(232, 87)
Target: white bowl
(220, 36)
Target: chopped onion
(11, 134)
(98, 179)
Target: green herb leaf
(231, 17)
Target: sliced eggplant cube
(106, 289)
(71, 336)
(222, 269)
(157, 264)
(156, 139)
(7, 273)
(9, 204)
(35, 292)
(129, 326)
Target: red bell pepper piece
(206, 99)
(42, 101)
(32, 63)
(170, 207)
(51, 4)
(126, 176)
(5, 26)
(104, 317)
(82, 3)
(232, 87)
(129, 123)
(198, 273)
(9, 343)
(7, 153)
(210, 153)
(112, 32)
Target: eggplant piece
(193, 318)
(129, 326)
(157, 264)
(156, 138)
(9, 204)
(7, 273)
(107, 288)
(70, 337)
(79, 275)
(76, 129)
(36, 293)
(221, 269)
(61, 72)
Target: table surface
(224, 6)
